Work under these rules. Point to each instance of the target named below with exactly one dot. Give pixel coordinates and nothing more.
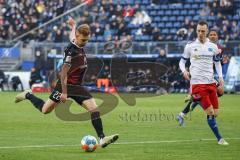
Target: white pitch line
(120, 143)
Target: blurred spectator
(157, 35)
(104, 78)
(147, 29)
(162, 58)
(35, 77)
(2, 80)
(141, 18)
(20, 16)
(182, 34)
(225, 63)
(128, 11)
(107, 33)
(16, 82)
(97, 30)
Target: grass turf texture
(147, 137)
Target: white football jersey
(201, 58)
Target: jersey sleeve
(67, 59)
(218, 56)
(186, 53)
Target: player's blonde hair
(84, 29)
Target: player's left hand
(63, 97)
(221, 82)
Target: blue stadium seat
(187, 6)
(100, 38)
(165, 19)
(195, 6)
(173, 30)
(168, 12)
(149, 7)
(133, 31)
(177, 25)
(172, 7)
(180, 18)
(164, 6)
(191, 12)
(210, 23)
(196, 17)
(161, 12)
(188, 17)
(179, 6)
(161, 25)
(146, 38)
(236, 17)
(131, 26)
(173, 18)
(211, 18)
(153, 13)
(169, 24)
(183, 12)
(165, 31)
(201, 5)
(157, 19)
(176, 12)
(157, 7)
(93, 38)
(200, 1)
(145, 2)
(154, 24)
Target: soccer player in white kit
(202, 54)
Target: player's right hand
(71, 22)
(63, 97)
(186, 75)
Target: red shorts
(207, 94)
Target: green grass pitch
(147, 131)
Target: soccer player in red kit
(70, 83)
(203, 54)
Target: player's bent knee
(91, 105)
(209, 111)
(45, 110)
(216, 113)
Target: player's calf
(48, 106)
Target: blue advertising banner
(10, 52)
(233, 74)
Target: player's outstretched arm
(186, 74)
(72, 24)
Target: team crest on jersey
(210, 49)
(68, 59)
(196, 57)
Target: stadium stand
(125, 18)
(153, 27)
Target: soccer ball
(89, 143)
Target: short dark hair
(214, 30)
(203, 23)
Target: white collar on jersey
(207, 40)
